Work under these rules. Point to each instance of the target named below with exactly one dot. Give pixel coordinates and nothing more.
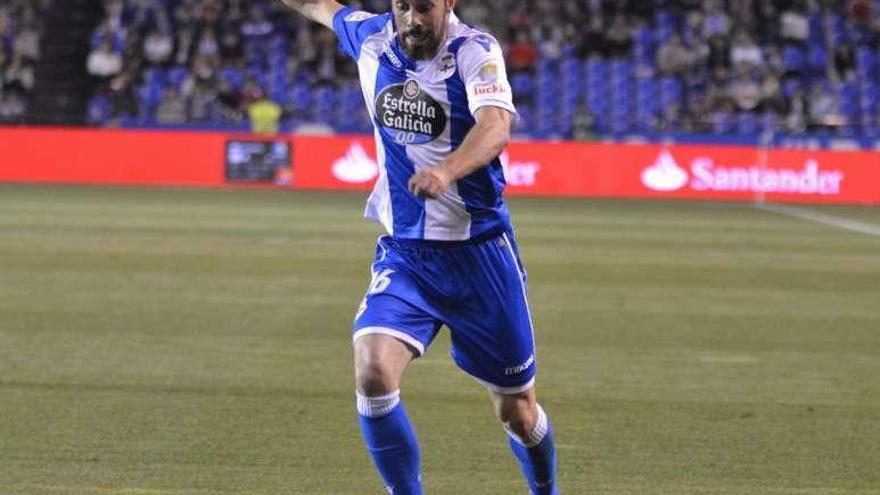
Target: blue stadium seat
(233, 75)
(847, 94)
(523, 85)
(666, 24)
(817, 61)
(299, 98)
(647, 100)
(816, 36)
(866, 62)
(324, 104)
(176, 76)
(670, 92)
(747, 124)
(790, 86)
(838, 30)
(793, 59)
(99, 110)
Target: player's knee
(518, 418)
(372, 379)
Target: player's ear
(450, 4)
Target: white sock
(536, 435)
(376, 407)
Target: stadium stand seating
(732, 67)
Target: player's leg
(530, 436)
(380, 362)
(393, 326)
(494, 342)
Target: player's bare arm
(485, 141)
(320, 11)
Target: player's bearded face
(421, 25)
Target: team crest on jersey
(360, 15)
(447, 63)
(409, 115)
(411, 89)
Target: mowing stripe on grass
(829, 220)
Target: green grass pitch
(190, 342)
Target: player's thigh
(380, 362)
(493, 339)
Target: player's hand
(429, 183)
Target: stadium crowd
(20, 30)
(579, 68)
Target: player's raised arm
(320, 11)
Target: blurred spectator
(208, 46)
(27, 43)
(772, 99)
(745, 53)
(796, 120)
(12, 107)
(228, 102)
(594, 43)
(522, 55)
(265, 116)
(719, 54)
(745, 92)
(794, 26)
(158, 47)
(823, 109)
(767, 22)
(844, 62)
(673, 58)
(203, 73)
(172, 108)
(231, 49)
(773, 59)
(124, 103)
(619, 37)
(201, 103)
(550, 48)
(183, 46)
(19, 76)
(257, 26)
(583, 124)
(474, 13)
(716, 21)
(104, 62)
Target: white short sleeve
(482, 68)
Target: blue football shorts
(477, 289)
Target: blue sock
(392, 442)
(537, 457)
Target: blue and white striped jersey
(422, 110)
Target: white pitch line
(830, 220)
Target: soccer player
(439, 98)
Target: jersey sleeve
(481, 63)
(353, 26)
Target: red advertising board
(532, 168)
(635, 171)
